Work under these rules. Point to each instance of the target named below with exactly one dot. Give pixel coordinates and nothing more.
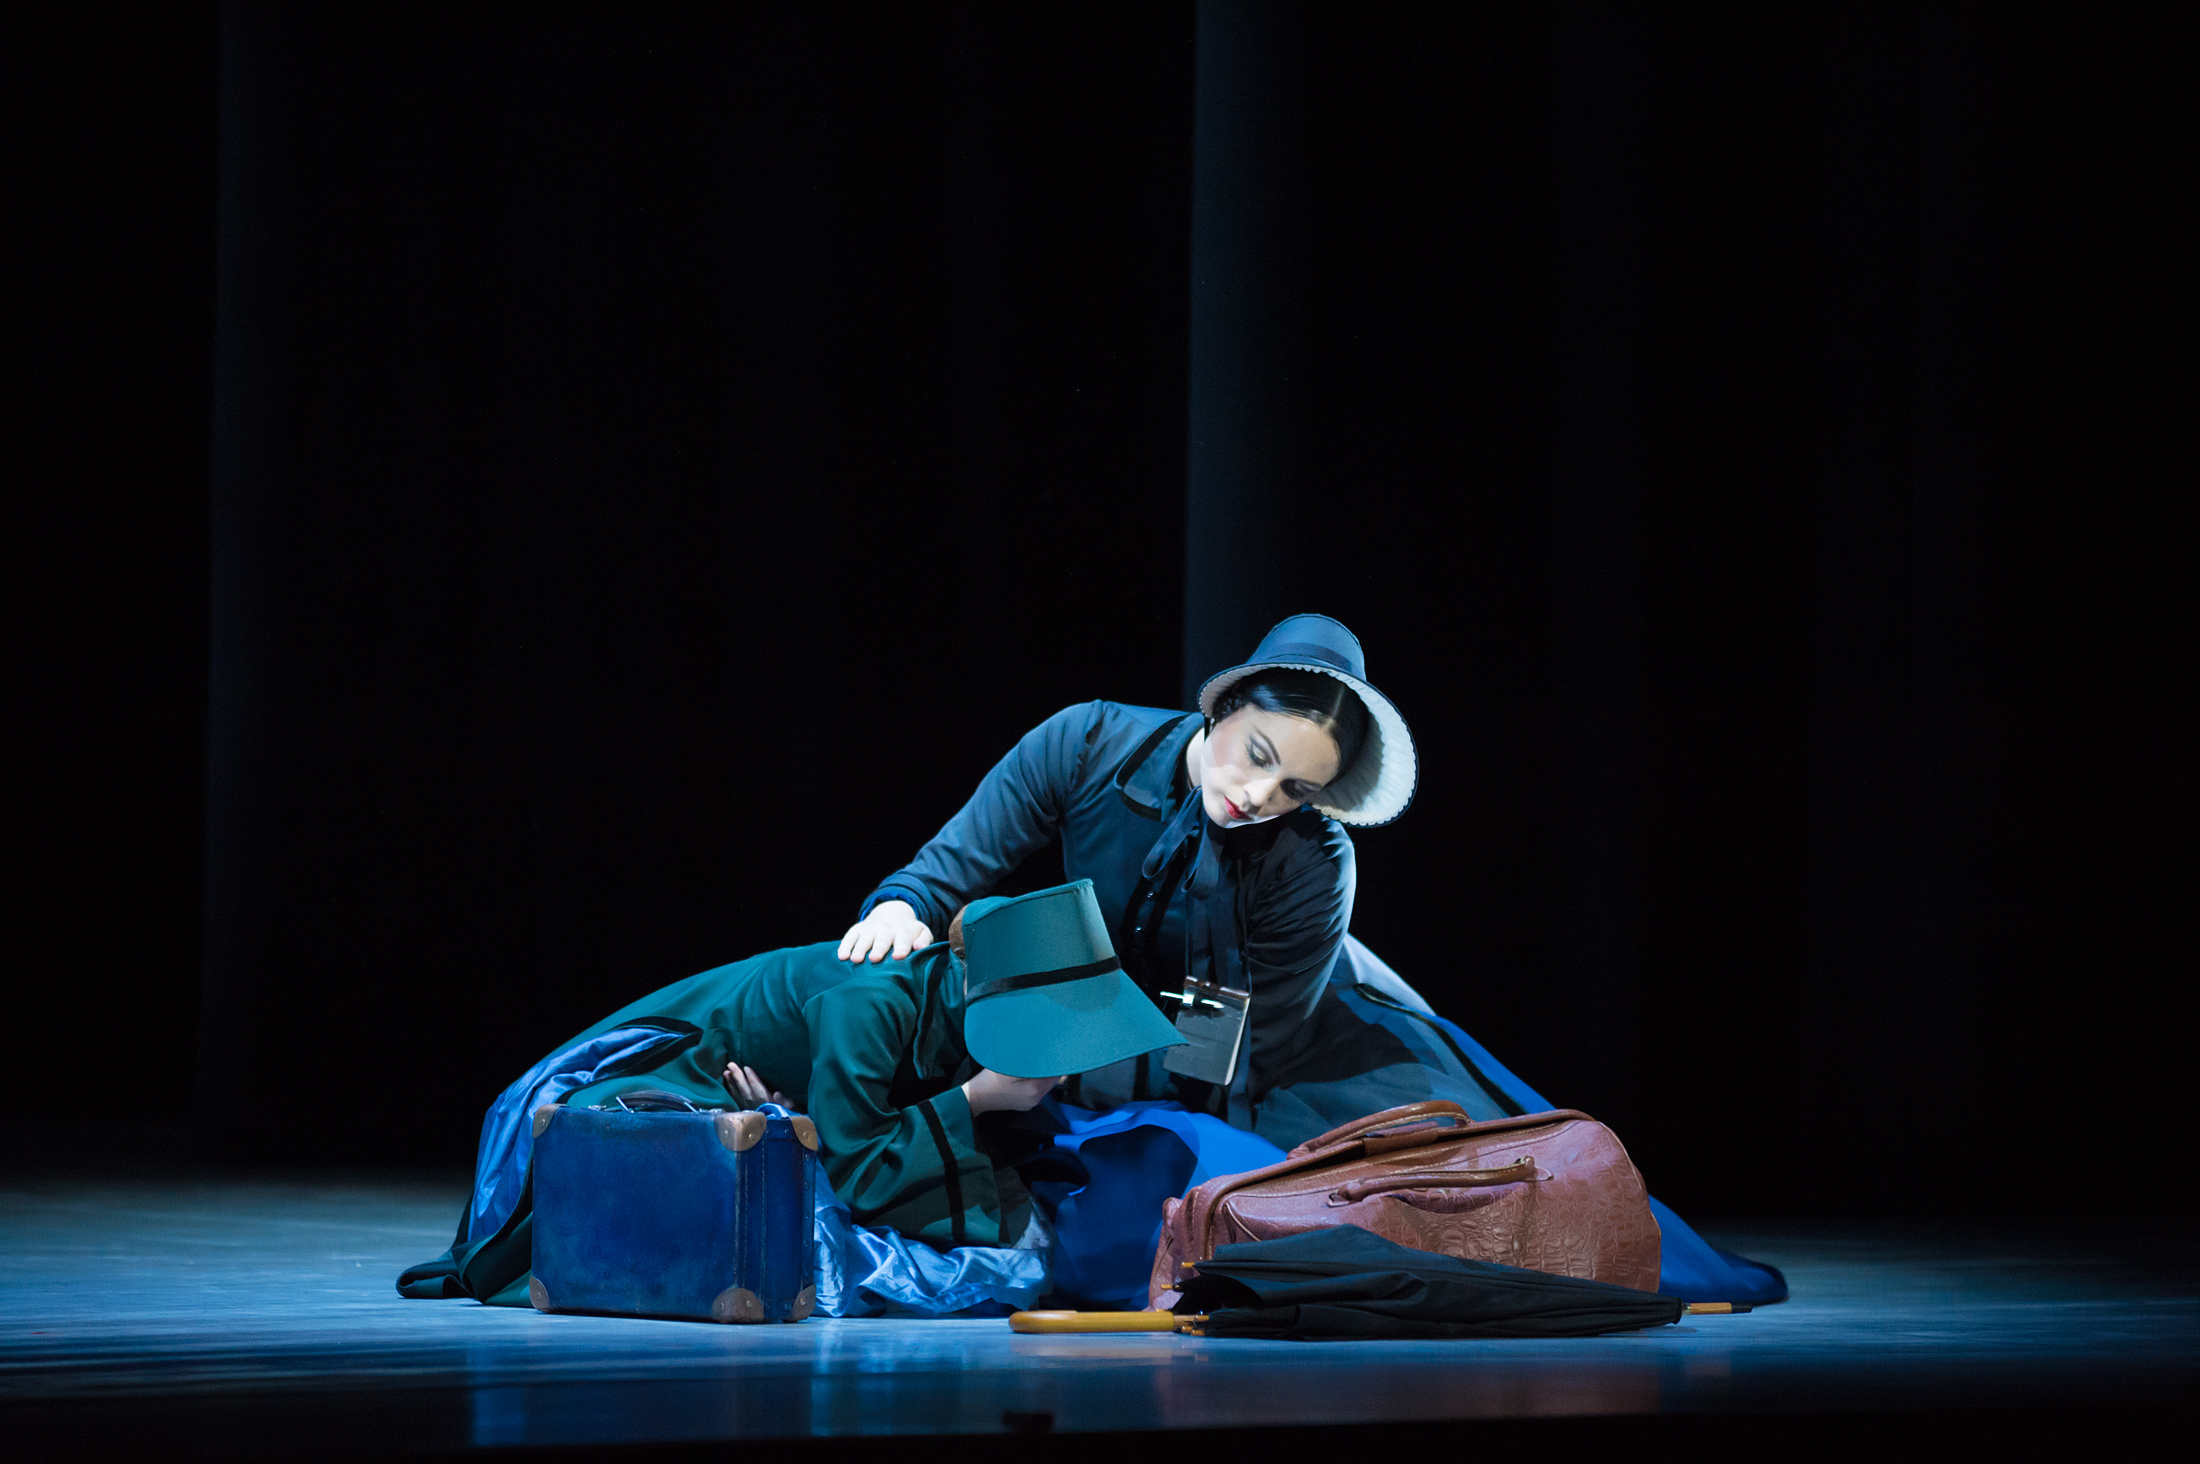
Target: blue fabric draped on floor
(870, 1271)
(1099, 1180)
(1102, 1177)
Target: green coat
(873, 1054)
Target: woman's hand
(744, 1084)
(891, 929)
(990, 1091)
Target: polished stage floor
(256, 1317)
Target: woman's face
(1257, 765)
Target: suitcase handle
(1521, 1170)
(1418, 1134)
(655, 1100)
(1405, 1117)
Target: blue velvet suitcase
(655, 1212)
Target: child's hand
(744, 1084)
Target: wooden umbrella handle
(1097, 1321)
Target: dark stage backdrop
(1747, 439)
(660, 458)
(663, 456)
(107, 187)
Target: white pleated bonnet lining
(1381, 781)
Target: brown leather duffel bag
(1549, 1191)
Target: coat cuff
(953, 1107)
(916, 901)
(948, 1116)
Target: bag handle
(1520, 1171)
(1396, 1124)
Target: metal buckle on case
(1213, 1018)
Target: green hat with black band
(1045, 994)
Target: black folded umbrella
(1345, 1282)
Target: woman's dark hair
(1323, 700)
